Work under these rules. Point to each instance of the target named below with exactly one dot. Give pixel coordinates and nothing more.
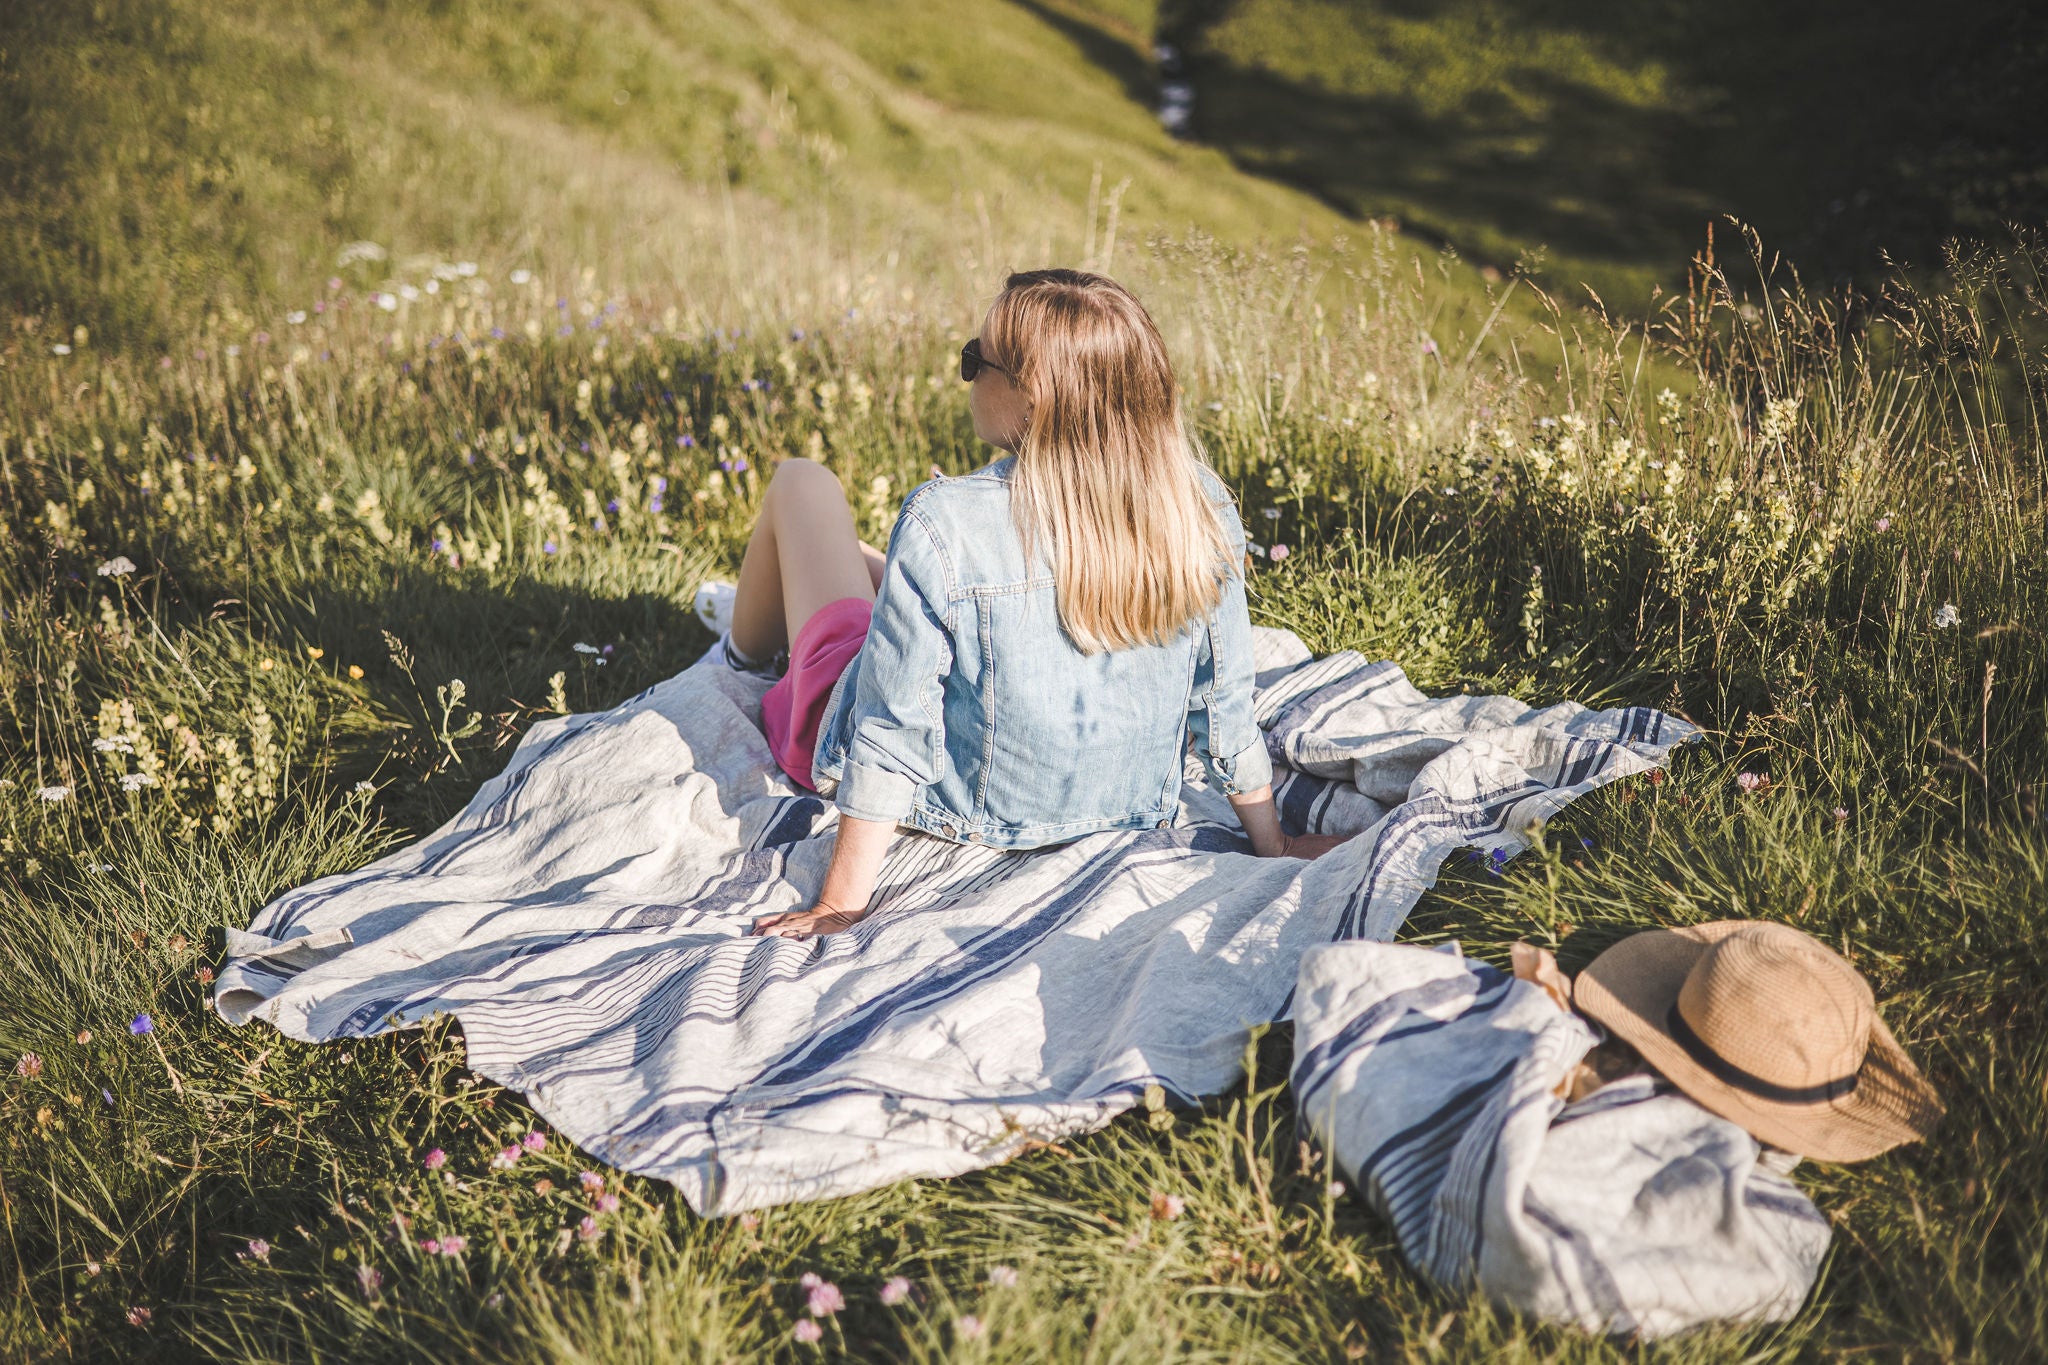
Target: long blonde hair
(1107, 471)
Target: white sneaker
(714, 605)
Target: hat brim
(1629, 990)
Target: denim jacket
(969, 714)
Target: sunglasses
(973, 362)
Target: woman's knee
(804, 479)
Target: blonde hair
(1107, 475)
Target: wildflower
(1277, 553)
(355, 672)
(1336, 1189)
(825, 1299)
(590, 1180)
(1751, 783)
(1841, 815)
(1881, 525)
(296, 316)
(895, 1290)
(29, 1065)
(810, 1279)
(60, 349)
(968, 1328)
(506, 1158)
(582, 648)
(388, 302)
(588, 1229)
(607, 1203)
(315, 652)
(1166, 1207)
(521, 276)
(452, 1246)
(547, 547)
(135, 782)
(807, 1331)
(369, 1280)
(534, 1142)
(259, 1250)
(84, 1036)
(543, 1187)
(53, 794)
(120, 566)
(1429, 346)
(108, 1096)
(139, 1316)
(266, 664)
(1947, 616)
(435, 1160)
(141, 1024)
(431, 1245)
(1002, 1276)
(365, 787)
(203, 975)
(686, 441)
(749, 1221)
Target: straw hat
(1766, 1027)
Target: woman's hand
(1308, 845)
(819, 920)
(850, 881)
(1255, 812)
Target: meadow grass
(283, 599)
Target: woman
(1025, 665)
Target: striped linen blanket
(1429, 1078)
(585, 918)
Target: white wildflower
(409, 292)
(359, 251)
(365, 787)
(1947, 616)
(296, 316)
(120, 566)
(114, 744)
(521, 276)
(135, 782)
(54, 794)
(388, 302)
(582, 648)
(60, 349)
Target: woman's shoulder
(948, 501)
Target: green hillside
(1606, 134)
(170, 157)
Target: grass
(172, 163)
(1754, 513)
(321, 546)
(1598, 140)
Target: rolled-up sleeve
(1227, 737)
(898, 731)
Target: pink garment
(794, 707)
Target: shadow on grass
(1611, 133)
(505, 638)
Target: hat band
(1721, 1069)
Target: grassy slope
(1609, 133)
(168, 159)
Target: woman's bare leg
(876, 562)
(804, 554)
